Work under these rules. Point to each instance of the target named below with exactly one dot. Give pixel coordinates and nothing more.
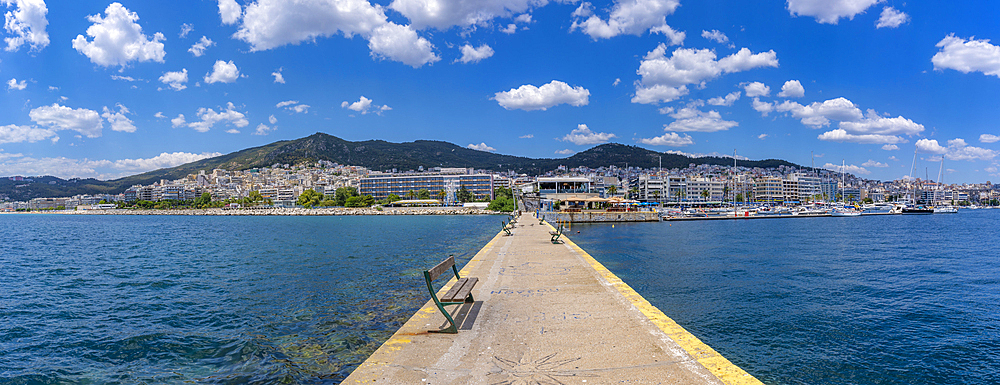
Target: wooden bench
(556, 234)
(505, 227)
(541, 219)
(459, 293)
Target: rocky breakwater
(299, 211)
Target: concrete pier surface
(545, 313)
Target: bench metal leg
(451, 329)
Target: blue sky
(107, 89)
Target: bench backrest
(441, 268)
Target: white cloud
(762, 136)
(86, 122)
(528, 136)
(17, 134)
(273, 23)
(286, 103)
(232, 131)
(690, 66)
(989, 138)
(583, 136)
(365, 106)
(510, 29)
(891, 18)
(209, 118)
(873, 123)
(125, 78)
(818, 114)
(178, 121)
(229, 11)
(872, 163)
(271, 119)
(118, 120)
(118, 40)
(443, 14)
(159, 115)
(890, 147)
(676, 37)
(840, 135)
(792, 89)
(471, 54)
(829, 11)
(564, 152)
(967, 56)
(278, 77)
(263, 129)
(959, 150)
(763, 107)
(481, 147)
(930, 146)
(627, 17)
(27, 24)
(175, 80)
(850, 169)
(62, 167)
(199, 48)
(757, 89)
(530, 98)
(617, 82)
(716, 36)
(223, 72)
(726, 101)
(672, 139)
(13, 84)
(185, 30)
(693, 120)
(294, 106)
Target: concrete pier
(545, 314)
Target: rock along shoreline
(291, 211)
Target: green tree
(343, 194)
(254, 196)
(868, 200)
(441, 194)
(611, 190)
(310, 198)
(704, 195)
(464, 195)
(203, 201)
(393, 198)
(423, 194)
(360, 201)
(503, 192)
(411, 194)
(739, 197)
(502, 204)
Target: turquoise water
(228, 300)
(260, 300)
(867, 300)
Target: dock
(545, 313)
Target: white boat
(945, 210)
(845, 212)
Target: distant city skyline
(107, 89)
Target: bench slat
(441, 268)
(451, 294)
(466, 289)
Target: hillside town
(281, 185)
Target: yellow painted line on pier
(718, 365)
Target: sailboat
(913, 208)
(947, 209)
(844, 211)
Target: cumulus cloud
(691, 119)
(957, 150)
(185, 30)
(62, 167)
(725, 101)
(757, 89)
(118, 40)
(472, 54)
(564, 152)
(989, 138)
(13, 84)
(175, 80)
(840, 135)
(263, 129)
(18, 134)
(118, 120)
(872, 163)
(199, 48)
(873, 123)
(818, 114)
(159, 115)
(278, 77)
(27, 24)
(967, 55)
(273, 23)
(829, 11)
(481, 147)
(222, 72)
(627, 17)
(763, 107)
(715, 36)
(178, 121)
(229, 11)
(850, 169)
(671, 139)
(271, 119)
(56, 117)
(294, 106)
(891, 18)
(686, 66)
(443, 14)
(209, 118)
(792, 89)
(582, 135)
(530, 98)
(365, 106)
(762, 136)
(528, 136)
(890, 147)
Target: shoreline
(279, 211)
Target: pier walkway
(545, 314)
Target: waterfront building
(380, 185)
(697, 187)
(769, 189)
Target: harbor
(545, 311)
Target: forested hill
(373, 154)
